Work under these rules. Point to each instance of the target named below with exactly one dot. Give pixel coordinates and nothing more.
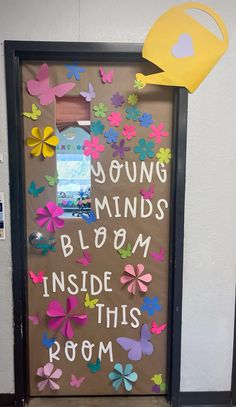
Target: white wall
(210, 222)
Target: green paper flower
(164, 155)
(132, 99)
(144, 149)
(100, 110)
(138, 84)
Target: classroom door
(97, 186)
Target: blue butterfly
(74, 70)
(45, 246)
(32, 190)
(47, 342)
(89, 218)
(94, 367)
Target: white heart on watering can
(184, 47)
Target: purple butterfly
(137, 348)
(90, 94)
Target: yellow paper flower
(42, 144)
(132, 99)
(164, 155)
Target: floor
(99, 401)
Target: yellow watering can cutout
(184, 49)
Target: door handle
(34, 238)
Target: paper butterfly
(124, 253)
(35, 319)
(36, 112)
(32, 190)
(89, 218)
(90, 303)
(74, 70)
(47, 342)
(149, 194)
(45, 246)
(52, 181)
(40, 87)
(94, 367)
(86, 259)
(137, 348)
(36, 278)
(157, 329)
(74, 382)
(90, 94)
(158, 257)
(106, 77)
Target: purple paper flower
(117, 100)
(120, 149)
(145, 120)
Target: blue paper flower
(111, 136)
(145, 120)
(97, 127)
(132, 113)
(74, 70)
(150, 305)
(124, 376)
(144, 149)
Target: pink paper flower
(49, 215)
(134, 277)
(115, 119)
(93, 148)
(129, 132)
(62, 319)
(47, 372)
(158, 133)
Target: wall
(210, 223)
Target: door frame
(15, 52)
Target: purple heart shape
(184, 47)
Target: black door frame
(15, 52)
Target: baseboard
(211, 398)
(7, 399)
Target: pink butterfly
(37, 278)
(149, 194)
(158, 257)
(107, 77)
(157, 329)
(40, 87)
(90, 94)
(86, 259)
(35, 319)
(74, 382)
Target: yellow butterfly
(36, 112)
(90, 303)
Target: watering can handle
(212, 13)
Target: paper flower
(150, 305)
(138, 84)
(100, 110)
(124, 376)
(42, 144)
(97, 127)
(129, 132)
(159, 385)
(74, 70)
(93, 148)
(62, 319)
(132, 99)
(115, 119)
(164, 155)
(158, 133)
(47, 372)
(145, 120)
(50, 216)
(120, 149)
(117, 100)
(144, 149)
(134, 277)
(111, 136)
(132, 113)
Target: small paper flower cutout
(93, 148)
(132, 99)
(145, 120)
(138, 84)
(159, 385)
(144, 149)
(111, 136)
(124, 376)
(97, 127)
(50, 216)
(115, 119)
(117, 100)
(164, 155)
(158, 133)
(42, 144)
(150, 305)
(100, 110)
(135, 278)
(47, 372)
(120, 149)
(132, 113)
(62, 319)
(129, 132)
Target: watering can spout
(160, 78)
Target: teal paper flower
(97, 127)
(132, 113)
(144, 149)
(124, 376)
